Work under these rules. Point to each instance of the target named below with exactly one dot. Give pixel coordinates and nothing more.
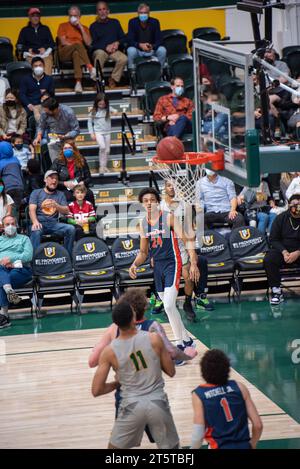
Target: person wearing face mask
(36, 40)
(15, 271)
(72, 169)
(33, 86)
(285, 247)
(174, 111)
(45, 206)
(144, 37)
(21, 151)
(11, 174)
(13, 117)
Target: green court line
(44, 351)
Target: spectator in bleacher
(174, 111)
(285, 181)
(36, 40)
(58, 120)
(11, 173)
(220, 119)
(4, 87)
(82, 214)
(15, 271)
(33, 179)
(45, 206)
(21, 151)
(73, 39)
(33, 86)
(285, 242)
(294, 187)
(272, 58)
(99, 126)
(144, 37)
(72, 169)
(6, 204)
(13, 117)
(107, 37)
(216, 194)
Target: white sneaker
(78, 87)
(93, 73)
(277, 296)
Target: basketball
(170, 148)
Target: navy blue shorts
(167, 274)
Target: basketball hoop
(185, 172)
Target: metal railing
(125, 123)
(100, 81)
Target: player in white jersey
(138, 358)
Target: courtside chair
(248, 247)
(174, 40)
(181, 65)
(16, 71)
(124, 251)
(215, 248)
(93, 267)
(146, 70)
(53, 273)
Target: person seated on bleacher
(82, 214)
(272, 57)
(294, 186)
(4, 87)
(216, 194)
(220, 118)
(21, 151)
(45, 206)
(11, 174)
(73, 38)
(72, 169)
(285, 243)
(13, 117)
(15, 271)
(32, 87)
(144, 37)
(6, 204)
(60, 123)
(37, 40)
(107, 37)
(174, 111)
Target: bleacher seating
(6, 52)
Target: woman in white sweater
(99, 126)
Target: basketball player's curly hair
(137, 299)
(149, 190)
(215, 367)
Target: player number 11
(134, 357)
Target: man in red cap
(36, 40)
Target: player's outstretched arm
(199, 422)
(99, 385)
(106, 339)
(257, 425)
(166, 362)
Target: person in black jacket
(36, 40)
(285, 242)
(72, 169)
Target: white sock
(7, 287)
(4, 310)
(276, 290)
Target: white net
(183, 177)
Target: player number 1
(226, 408)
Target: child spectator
(6, 204)
(82, 214)
(99, 125)
(21, 151)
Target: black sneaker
(189, 312)
(189, 343)
(4, 321)
(277, 296)
(13, 297)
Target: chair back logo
(127, 244)
(208, 240)
(50, 251)
(245, 234)
(89, 247)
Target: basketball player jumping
(222, 408)
(159, 232)
(138, 357)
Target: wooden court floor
(46, 400)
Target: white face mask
(38, 71)
(209, 172)
(10, 230)
(73, 19)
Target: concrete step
(134, 163)
(118, 193)
(142, 134)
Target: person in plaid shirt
(82, 214)
(174, 111)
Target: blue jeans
(16, 277)
(220, 122)
(68, 232)
(265, 221)
(133, 53)
(183, 125)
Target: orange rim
(194, 158)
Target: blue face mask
(18, 146)
(143, 17)
(1, 189)
(68, 153)
(179, 90)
